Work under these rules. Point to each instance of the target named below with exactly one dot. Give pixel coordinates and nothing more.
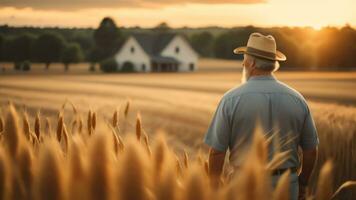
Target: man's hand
(216, 163)
(309, 159)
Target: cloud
(90, 4)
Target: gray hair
(264, 64)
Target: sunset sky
(178, 13)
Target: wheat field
(178, 106)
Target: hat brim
(279, 55)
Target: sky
(179, 13)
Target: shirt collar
(262, 77)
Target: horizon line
(180, 27)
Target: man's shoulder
(291, 91)
(235, 92)
(250, 89)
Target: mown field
(182, 104)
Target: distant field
(83, 68)
(182, 103)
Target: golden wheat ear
(38, 126)
(159, 154)
(100, 184)
(60, 125)
(93, 120)
(186, 159)
(345, 185)
(147, 144)
(5, 175)
(325, 183)
(26, 127)
(127, 108)
(1, 124)
(66, 138)
(48, 128)
(167, 185)
(138, 127)
(196, 184)
(115, 119)
(89, 122)
(26, 167)
(116, 141)
(50, 178)
(80, 125)
(78, 171)
(282, 189)
(133, 175)
(75, 110)
(11, 133)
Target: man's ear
(253, 64)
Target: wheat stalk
(12, 131)
(1, 124)
(5, 178)
(115, 119)
(325, 184)
(48, 128)
(132, 177)
(89, 123)
(60, 125)
(138, 127)
(50, 180)
(127, 108)
(93, 121)
(99, 181)
(282, 191)
(38, 126)
(26, 127)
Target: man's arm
(309, 159)
(216, 164)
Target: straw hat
(261, 46)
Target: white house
(160, 52)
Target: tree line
(306, 48)
(23, 45)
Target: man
(278, 108)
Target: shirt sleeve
(218, 134)
(309, 136)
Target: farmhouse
(160, 52)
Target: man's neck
(260, 73)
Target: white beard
(244, 76)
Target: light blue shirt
(279, 109)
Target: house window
(177, 49)
(143, 67)
(191, 66)
(132, 49)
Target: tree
(72, 53)
(18, 49)
(107, 38)
(162, 27)
(85, 41)
(203, 43)
(48, 48)
(225, 43)
(2, 40)
(108, 65)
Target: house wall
(186, 55)
(138, 57)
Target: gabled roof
(154, 43)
